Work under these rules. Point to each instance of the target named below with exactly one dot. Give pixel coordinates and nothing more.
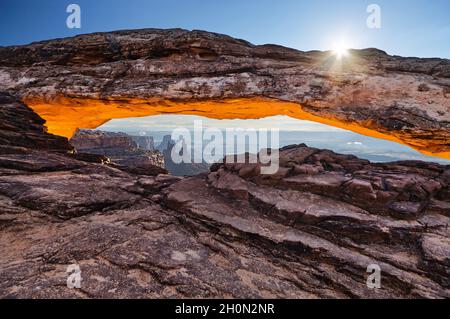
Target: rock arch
(87, 80)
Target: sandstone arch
(322, 214)
(87, 80)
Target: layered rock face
(20, 127)
(133, 153)
(87, 140)
(325, 217)
(121, 150)
(146, 143)
(90, 79)
(309, 231)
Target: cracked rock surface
(86, 80)
(310, 231)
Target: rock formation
(179, 169)
(309, 231)
(90, 79)
(108, 143)
(121, 150)
(20, 127)
(166, 144)
(144, 142)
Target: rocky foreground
(309, 231)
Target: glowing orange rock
(90, 114)
(87, 80)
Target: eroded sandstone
(308, 232)
(87, 80)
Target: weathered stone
(21, 127)
(87, 80)
(308, 232)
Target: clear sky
(166, 123)
(408, 27)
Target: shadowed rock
(309, 231)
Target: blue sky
(409, 27)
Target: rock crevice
(308, 232)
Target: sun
(340, 49)
(340, 52)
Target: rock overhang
(326, 212)
(87, 80)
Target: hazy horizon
(292, 131)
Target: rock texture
(120, 150)
(133, 153)
(144, 142)
(309, 231)
(87, 80)
(20, 127)
(109, 143)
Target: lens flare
(340, 50)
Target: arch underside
(64, 115)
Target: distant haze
(169, 122)
(292, 131)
